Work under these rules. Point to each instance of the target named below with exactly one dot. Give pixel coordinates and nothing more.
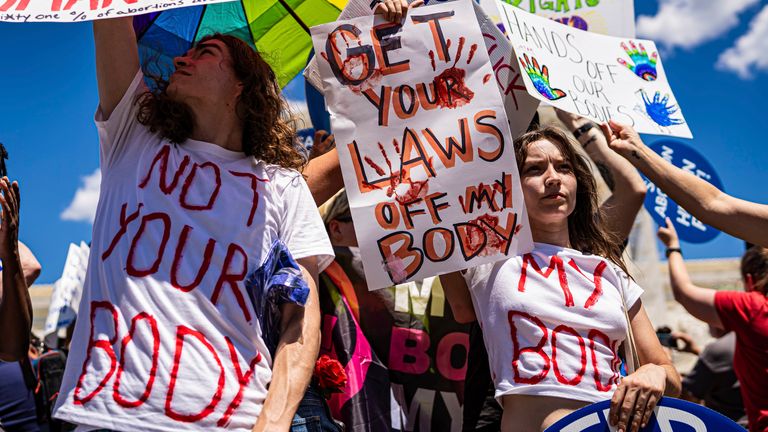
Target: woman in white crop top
(553, 320)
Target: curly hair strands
(586, 227)
(268, 129)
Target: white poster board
(21, 11)
(67, 291)
(595, 76)
(608, 17)
(424, 143)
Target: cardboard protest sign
(79, 10)
(670, 415)
(594, 76)
(661, 207)
(608, 17)
(423, 141)
(67, 291)
(519, 105)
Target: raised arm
(457, 293)
(627, 187)
(15, 304)
(743, 219)
(324, 176)
(698, 301)
(295, 356)
(117, 60)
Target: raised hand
(668, 235)
(394, 10)
(9, 227)
(642, 65)
(540, 78)
(322, 144)
(622, 139)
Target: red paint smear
(517, 229)
(493, 244)
(472, 50)
(324, 55)
(448, 45)
(432, 58)
(396, 145)
(373, 165)
(416, 189)
(486, 78)
(462, 39)
(455, 95)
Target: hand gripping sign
(670, 415)
(424, 143)
(660, 206)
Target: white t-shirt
(552, 322)
(167, 336)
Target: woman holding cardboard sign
(554, 320)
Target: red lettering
(554, 262)
(597, 280)
(518, 351)
(124, 221)
(179, 254)
(105, 345)
(592, 335)
(130, 268)
(560, 377)
(254, 186)
(162, 157)
(22, 5)
(188, 182)
(232, 279)
(242, 379)
(152, 370)
(208, 409)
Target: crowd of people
(211, 264)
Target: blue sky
(713, 52)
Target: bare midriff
(525, 413)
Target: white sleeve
(301, 228)
(115, 132)
(630, 289)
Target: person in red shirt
(744, 313)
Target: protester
(712, 381)
(581, 306)
(15, 305)
(743, 219)
(205, 253)
(19, 270)
(744, 313)
(481, 411)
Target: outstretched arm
(15, 304)
(698, 301)
(743, 219)
(627, 187)
(117, 60)
(295, 356)
(324, 176)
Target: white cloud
(749, 50)
(83, 205)
(688, 23)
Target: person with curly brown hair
(200, 306)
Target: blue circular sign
(670, 415)
(660, 206)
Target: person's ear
(749, 282)
(334, 231)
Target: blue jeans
(313, 414)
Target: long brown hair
(269, 133)
(587, 231)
